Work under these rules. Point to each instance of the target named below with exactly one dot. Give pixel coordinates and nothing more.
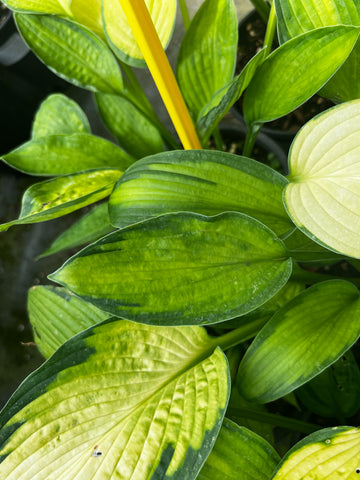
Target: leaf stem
(251, 137)
(272, 419)
(241, 334)
(310, 278)
(148, 40)
(262, 8)
(185, 14)
(270, 30)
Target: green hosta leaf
(120, 400)
(56, 316)
(119, 33)
(90, 227)
(59, 115)
(134, 132)
(64, 154)
(205, 182)
(295, 71)
(181, 269)
(303, 338)
(88, 13)
(207, 54)
(336, 391)
(299, 16)
(62, 195)
(221, 102)
(239, 453)
(71, 51)
(328, 454)
(323, 197)
(39, 6)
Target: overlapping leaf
(120, 399)
(56, 316)
(88, 13)
(71, 51)
(62, 195)
(323, 197)
(303, 338)
(180, 269)
(205, 182)
(59, 115)
(59, 7)
(299, 16)
(120, 35)
(239, 453)
(295, 71)
(65, 154)
(133, 130)
(328, 454)
(207, 54)
(90, 227)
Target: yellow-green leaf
(323, 197)
(120, 35)
(58, 7)
(120, 400)
(329, 454)
(88, 13)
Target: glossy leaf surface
(207, 54)
(329, 454)
(56, 316)
(336, 391)
(59, 115)
(205, 182)
(221, 102)
(149, 404)
(180, 269)
(299, 16)
(296, 71)
(65, 154)
(135, 133)
(323, 197)
(303, 338)
(71, 51)
(38, 6)
(120, 35)
(239, 453)
(62, 195)
(90, 227)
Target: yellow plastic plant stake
(145, 33)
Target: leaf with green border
(239, 453)
(299, 16)
(59, 196)
(65, 154)
(118, 400)
(302, 339)
(202, 181)
(56, 316)
(87, 229)
(295, 71)
(323, 196)
(221, 102)
(207, 55)
(59, 115)
(180, 269)
(336, 391)
(88, 13)
(328, 454)
(132, 129)
(56, 7)
(120, 35)
(71, 51)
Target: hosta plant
(208, 285)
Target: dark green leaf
(64, 154)
(205, 182)
(302, 339)
(180, 269)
